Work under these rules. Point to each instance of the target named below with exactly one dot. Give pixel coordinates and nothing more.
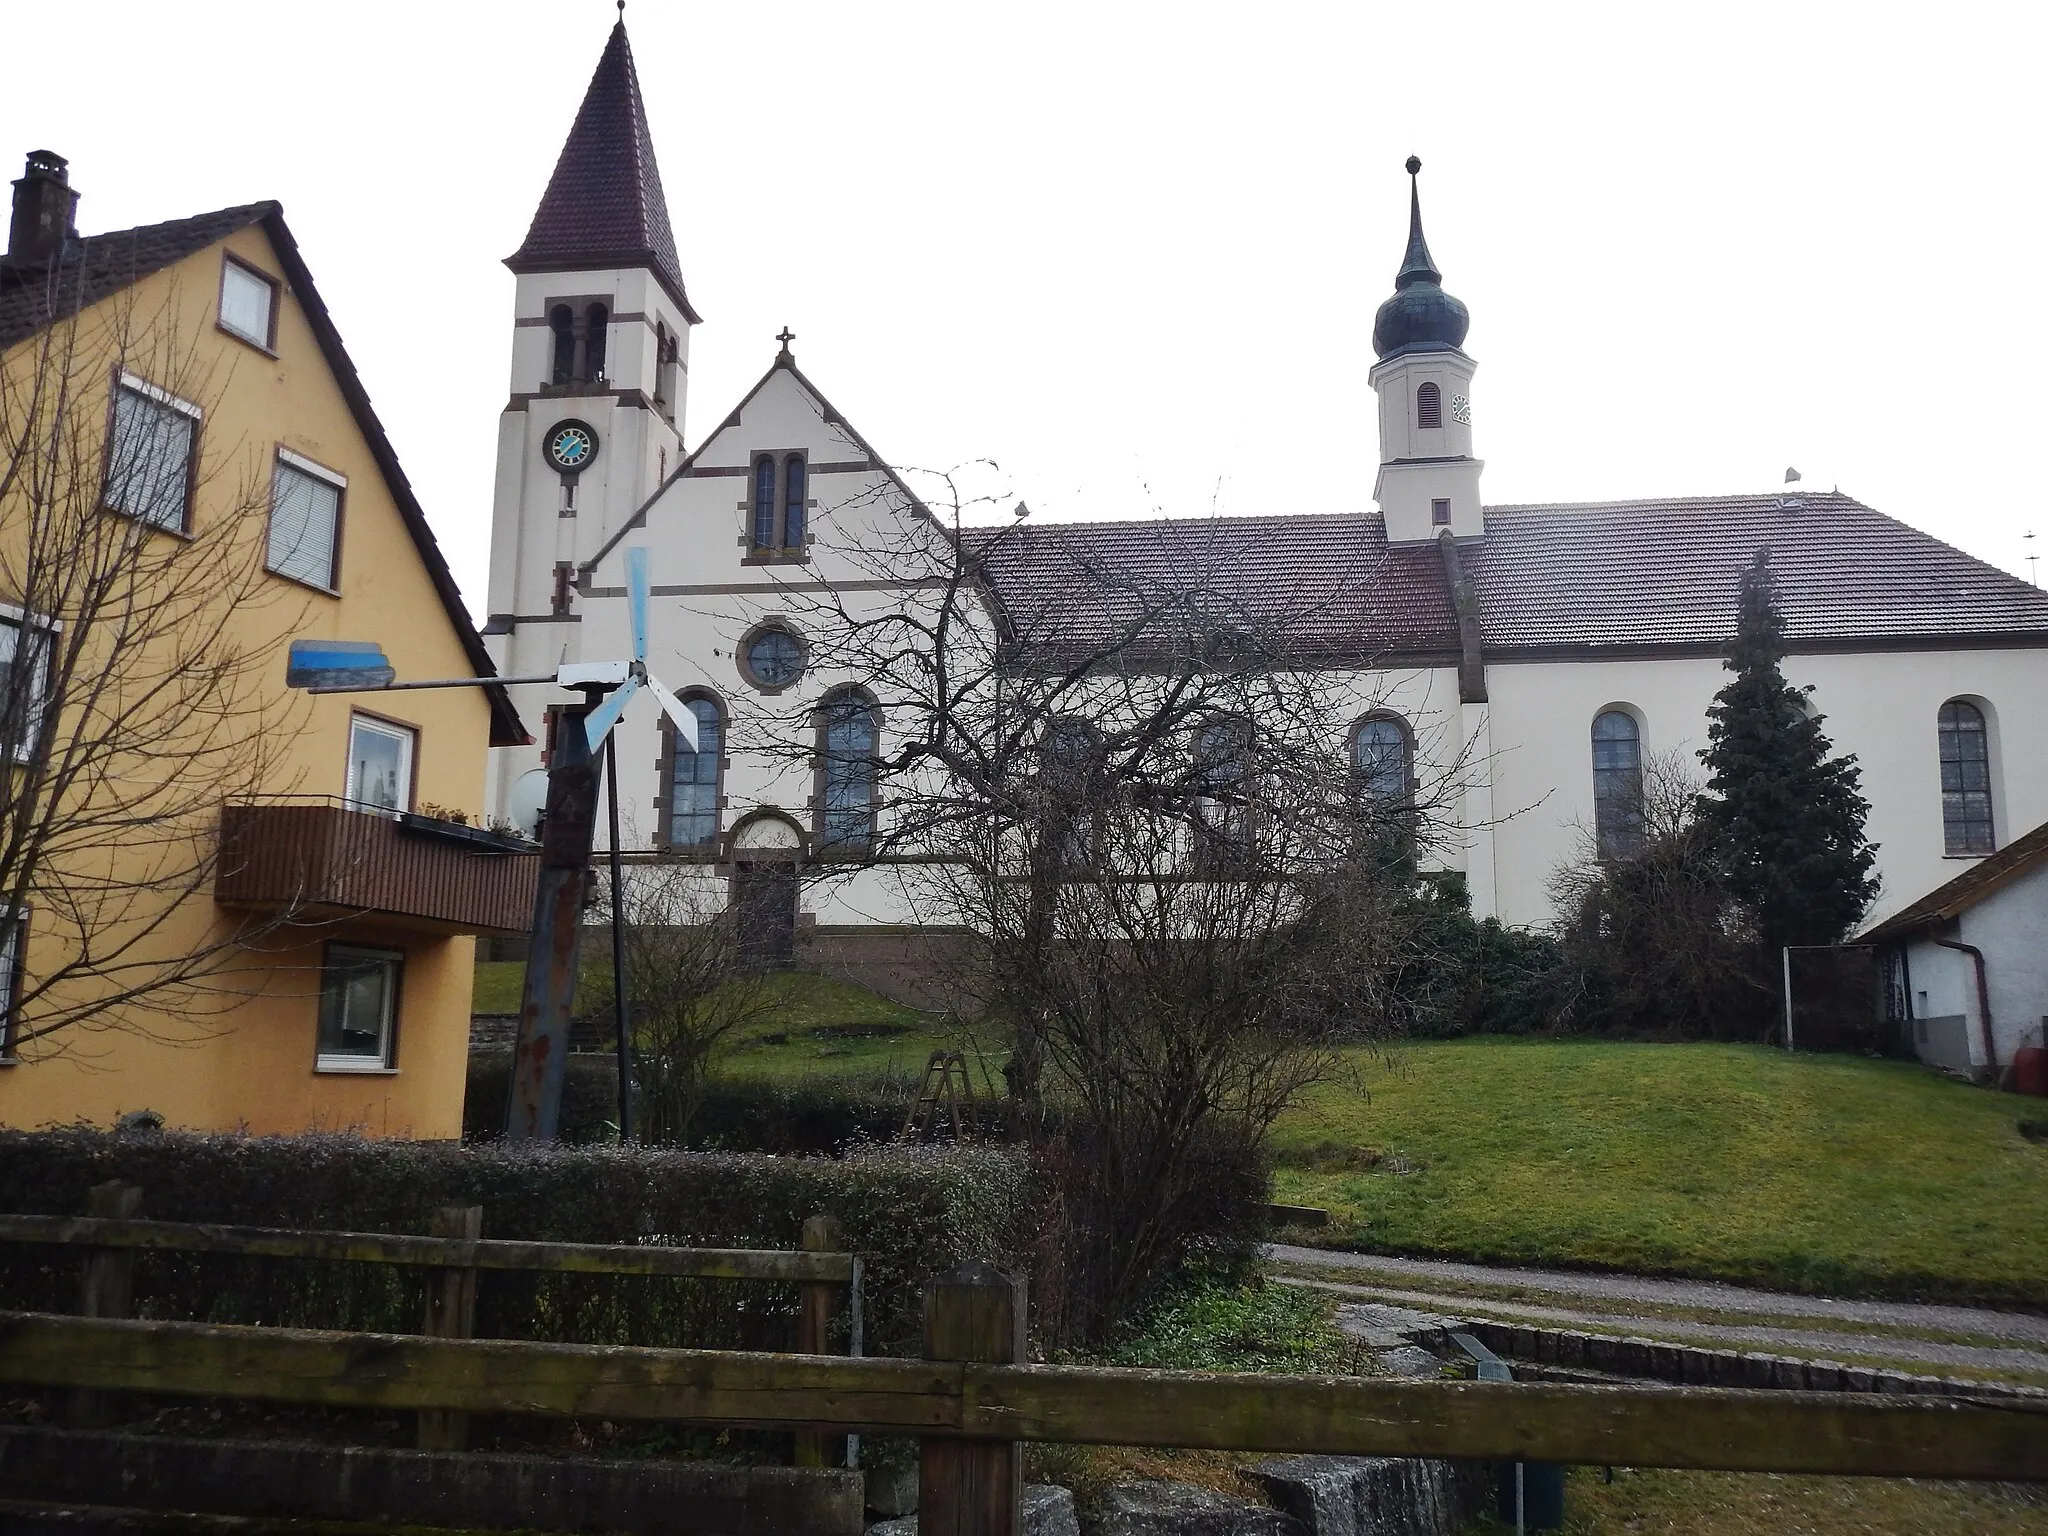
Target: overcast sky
(1132, 252)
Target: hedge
(910, 1212)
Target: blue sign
(331, 666)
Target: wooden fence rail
(1722, 1429)
(435, 1252)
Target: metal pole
(611, 785)
(1788, 996)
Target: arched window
(1429, 405)
(563, 324)
(793, 503)
(693, 778)
(764, 503)
(599, 324)
(1223, 767)
(664, 347)
(1617, 784)
(851, 730)
(1382, 756)
(1965, 780)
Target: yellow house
(221, 900)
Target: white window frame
(13, 929)
(331, 477)
(386, 1059)
(22, 621)
(123, 379)
(407, 735)
(231, 263)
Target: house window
(248, 304)
(562, 325)
(1440, 512)
(150, 460)
(772, 658)
(1381, 757)
(25, 654)
(1617, 785)
(1429, 405)
(1222, 767)
(793, 505)
(380, 764)
(1966, 829)
(305, 521)
(13, 952)
(693, 778)
(847, 792)
(1073, 759)
(358, 1009)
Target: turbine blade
(599, 722)
(678, 712)
(636, 598)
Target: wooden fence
(972, 1401)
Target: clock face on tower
(570, 447)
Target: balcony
(322, 859)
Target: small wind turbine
(567, 831)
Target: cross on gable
(786, 338)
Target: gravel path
(1442, 1280)
(1834, 1344)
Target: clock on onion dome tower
(593, 422)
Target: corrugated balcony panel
(325, 858)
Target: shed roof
(1949, 901)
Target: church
(1550, 651)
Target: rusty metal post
(533, 1108)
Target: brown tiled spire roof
(603, 206)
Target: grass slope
(1739, 1504)
(1815, 1173)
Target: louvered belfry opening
(1429, 406)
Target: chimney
(43, 208)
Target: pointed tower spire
(603, 207)
(1416, 266)
(1420, 317)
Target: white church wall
(2011, 927)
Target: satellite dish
(529, 798)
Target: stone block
(1823, 1376)
(1856, 1378)
(1759, 1371)
(1176, 1509)
(1048, 1511)
(892, 1491)
(1374, 1495)
(1788, 1374)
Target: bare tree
(688, 990)
(1655, 940)
(137, 691)
(1129, 779)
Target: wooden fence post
(106, 1288)
(451, 1314)
(972, 1487)
(819, 1301)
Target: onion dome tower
(1428, 480)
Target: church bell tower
(600, 369)
(1428, 479)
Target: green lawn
(1638, 1503)
(810, 1025)
(1817, 1173)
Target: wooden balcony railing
(324, 858)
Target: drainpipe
(1983, 1000)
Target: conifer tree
(1785, 816)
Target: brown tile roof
(1327, 585)
(603, 206)
(1594, 576)
(97, 267)
(1664, 572)
(1946, 902)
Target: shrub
(1213, 1323)
(590, 1097)
(909, 1212)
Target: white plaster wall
(2011, 927)
(1879, 705)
